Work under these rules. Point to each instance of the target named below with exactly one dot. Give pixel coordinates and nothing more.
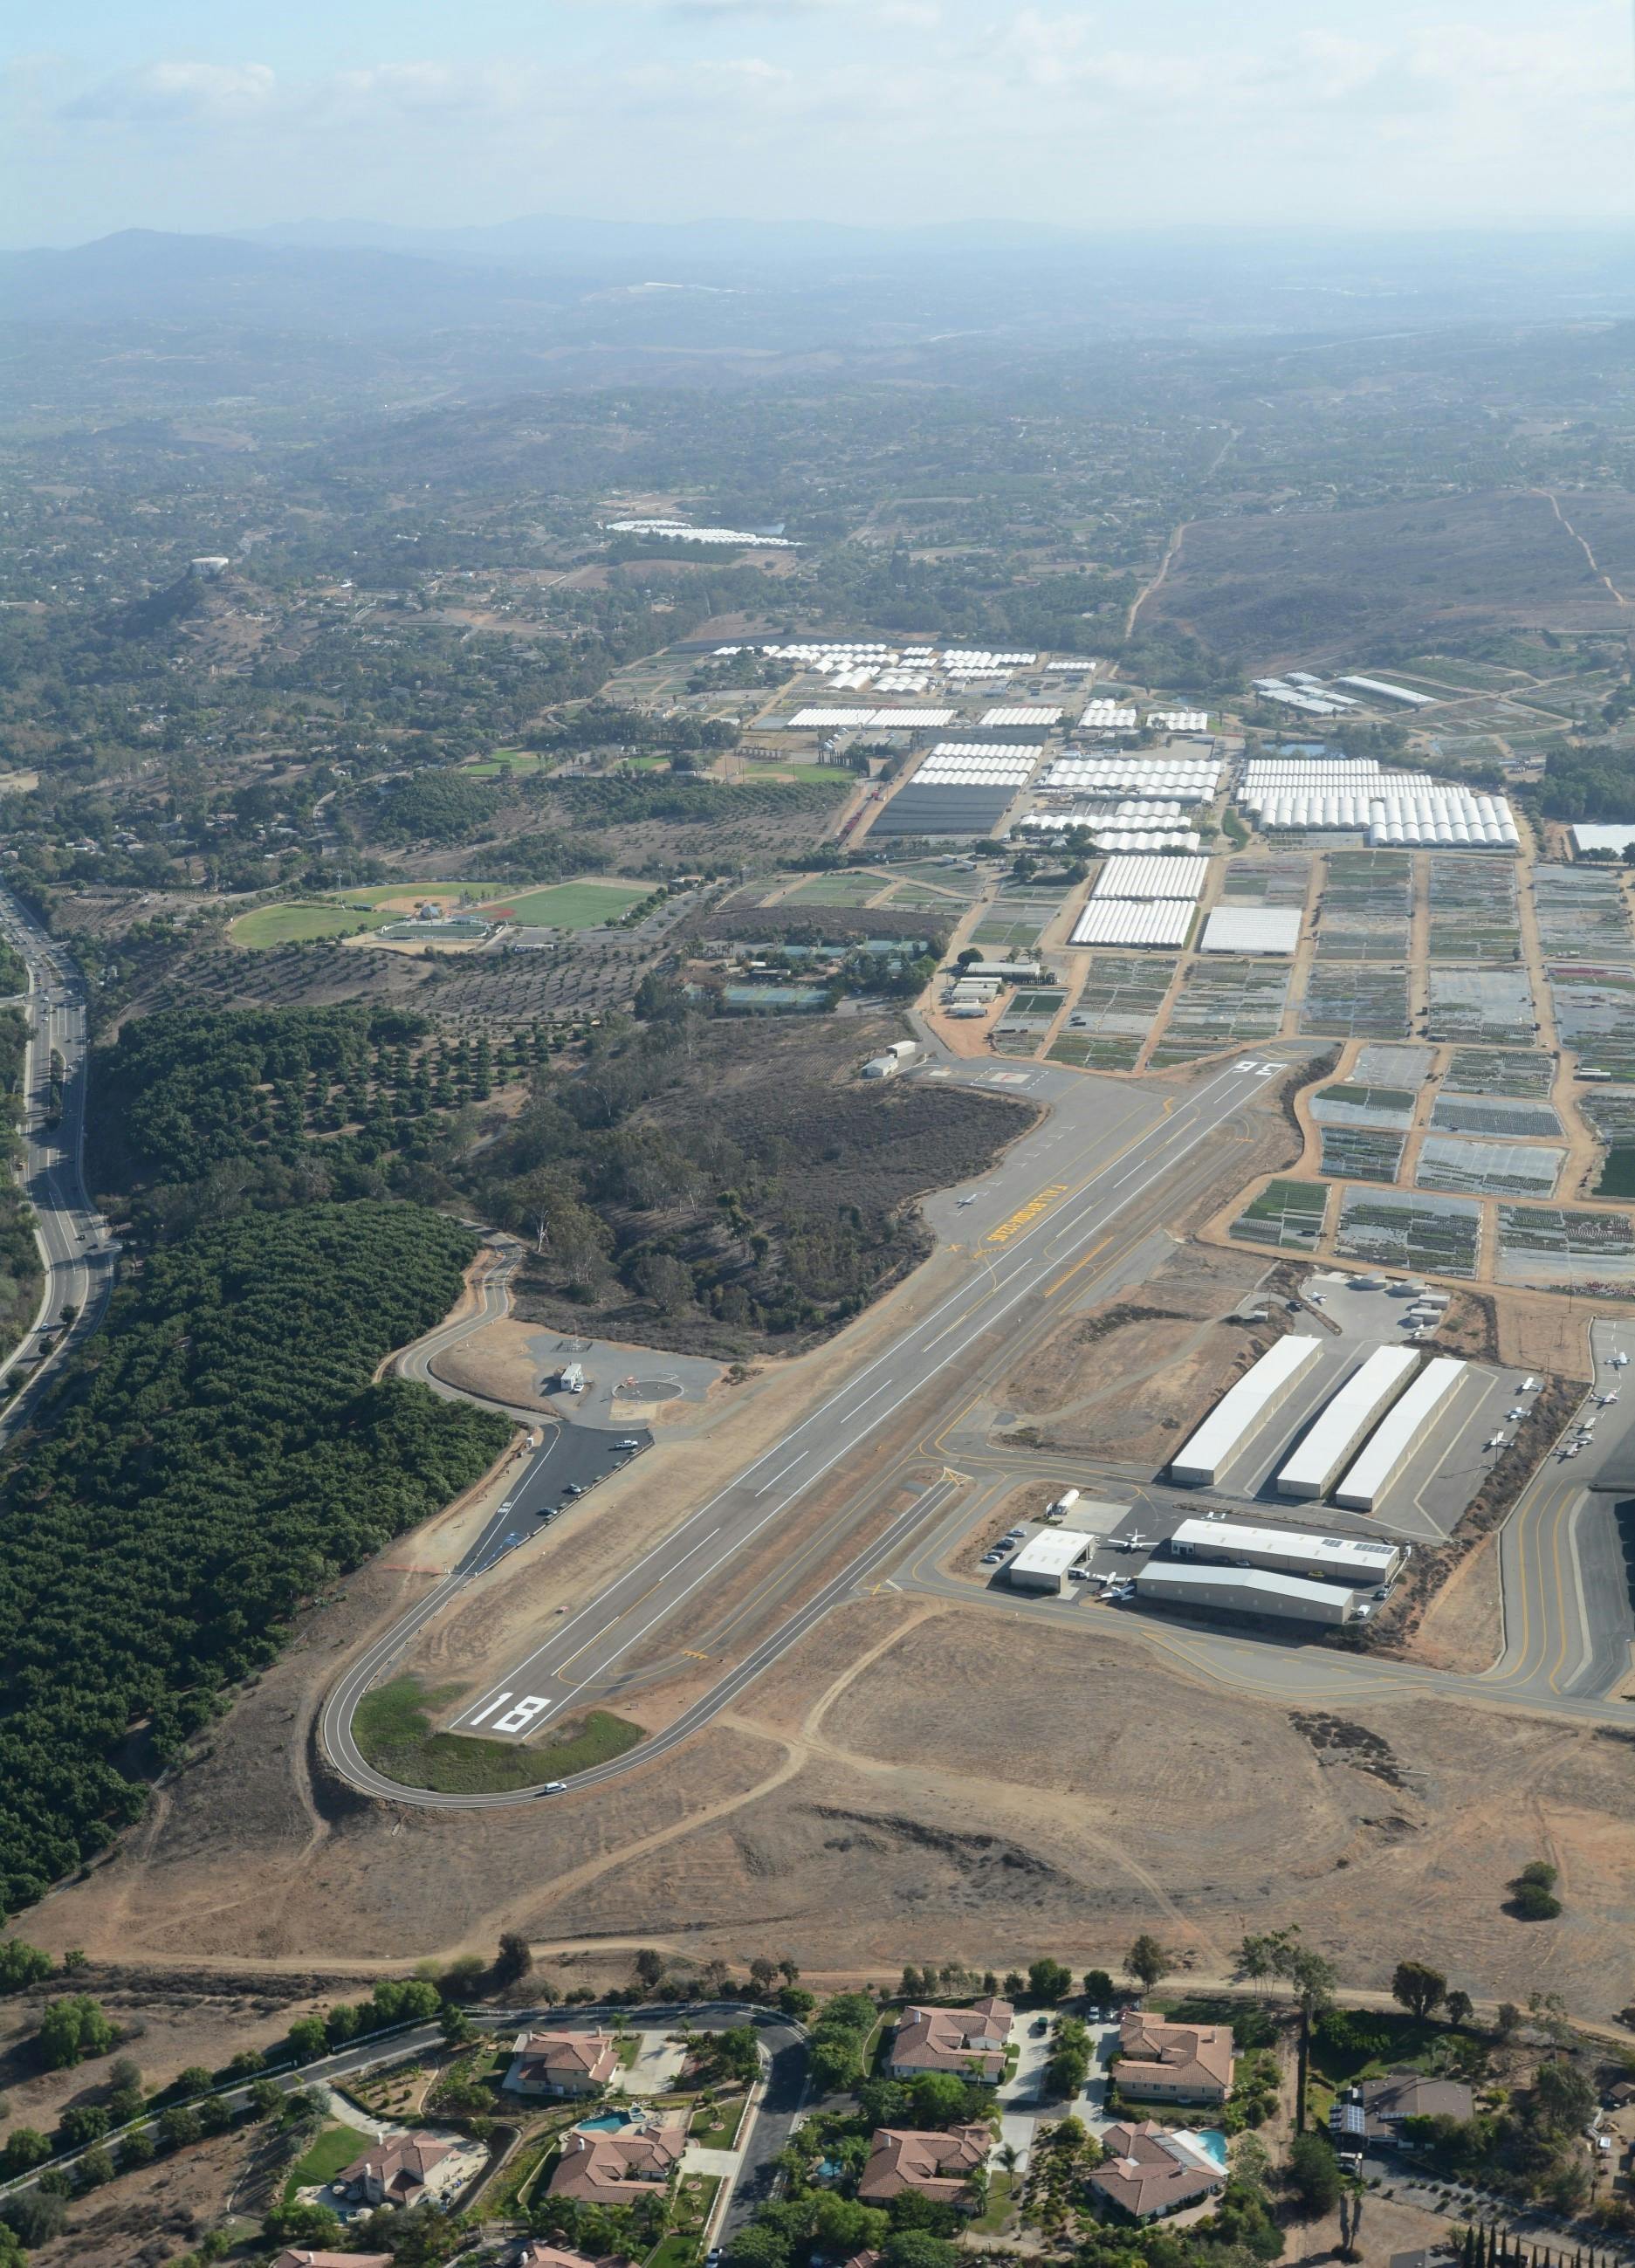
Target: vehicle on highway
(505, 1507)
(572, 1488)
(555, 1787)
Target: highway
(75, 1251)
(1010, 1281)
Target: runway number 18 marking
(517, 1719)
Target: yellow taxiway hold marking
(693, 1655)
(1074, 1270)
(1024, 1214)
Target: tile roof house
(969, 2041)
(1148, 2171)
(562, 2063)
(599, 2167)
(540, 2252)
(299, 2257)
(937, 2165)
(395, 2172)
(1173, 2063)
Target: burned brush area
(729, 1188)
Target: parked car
(572, 1488)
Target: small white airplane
(1528, 1385)
(1606, 1399)
(1131, 1542)
(1620, 1362)
(1495, 1440)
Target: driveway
(1092, 2109)
(658, 2064)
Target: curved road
(75, 1251)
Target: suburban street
(74, 1249)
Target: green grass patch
(716, 2126)
(335, 2147)
(569, 905)
(1002, 2187)
(296, 922)
(507, 2198)
(417, 886)
(394, 1731)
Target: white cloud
(164, 91)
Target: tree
(25, 2148)
(296, 2223)
(513, 1961)
(95, 2166)
(135, 2148)
(456, 2028)
(267, 2098)
(1314, 1978)
(649, 1967)
(195, 2079)
(1458, 2007)
(1048, 1980)
(796, 2001)
(1563, 2098)
(70, 2030)
(762, 1974)
(21, 1965)
(1313, 2174)
(179, 2126)
(1099, 1987)
(1533, 1892)
(1419, 1988)
(1146, 1961)
(35, 2216)
(82, 2123)
(307, 2038)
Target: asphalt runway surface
(1017, 1264)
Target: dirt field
(904, 1779)
(1121, 1381)
(148, 2218)
(1464, 1629)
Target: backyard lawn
(714, 2126)
(335, 2147)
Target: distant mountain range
(530, 274)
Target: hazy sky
(176, 113)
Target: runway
(1011, 1280)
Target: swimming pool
(611, 2121)
(1211, 2139)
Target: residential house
(540, 2252)
(562, 2063)
(396, 2171)
(970, 2042)
(599, 2169)
(939, 2166)
(1374, 2112)
(1173, 2063)
(299, 2257)
(1148, 2171)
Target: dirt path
(1175, 543)
(1596, 568)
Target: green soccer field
(568, 905)
(293, 923)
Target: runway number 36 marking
(1031, 1211)
(517, 1719)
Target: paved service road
(77, 1252)
(1018, 1264)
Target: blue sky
(171, 114)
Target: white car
(555, 1787)
(505, 1508)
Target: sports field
(571, 905)
(293, 923)
(550, 905)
